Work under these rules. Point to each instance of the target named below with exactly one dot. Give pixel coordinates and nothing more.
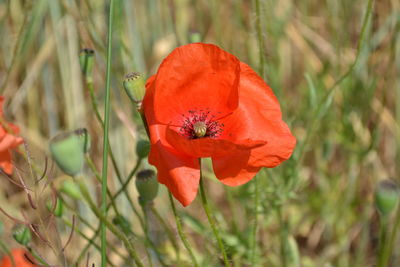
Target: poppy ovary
(200, 128)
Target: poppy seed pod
(123, 224)
(147, 186)
(68, 150)
(142, 148)
(84, 138)
(86, 60)
(386, 197)
(22, 234)
(71, 189)
(134, 86)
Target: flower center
(198, 124)
(200, 128)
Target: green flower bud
(68, 149)
(123, 224)
(134, 86)
(147, 186)
(58, 210)
(71, 189)
(142, 148)
(194, 37)
(386, 197)
(86, 60)
(22, 234)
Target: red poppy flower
(204, 102)
(21, 259)
(8, 141)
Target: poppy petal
(259, 117)
(9, 141)
(181, 174)
(233, 170)
(195, 77)
(207, 147)
(5, 162)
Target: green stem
(89, 83)
(211, 219)
(99, 213)
(255, 224)
(105, 140)
(283, 237)
(260, 39)
(98, 177)
(90, 242)
(167, 230)
(89, 225)
(393, 235)
(146, 229)
(382, 247)
(37, 256)
(128, 180)
(8, 252)
(181, 233)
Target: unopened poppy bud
(123, 224)
(386, 197)
(147, 186)
(68, 149)
(22, 234)
(142, 148)
(58, 210)
(86, 60)
(200, 128)
(194, 37)
(71, 189)
(134, 86)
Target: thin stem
(387, 252)
(167, 230)
(211, 219)
(255, 224)
(128, 180)
(105, 141)
(89, 225)
(90, 242)
(146, 229)
(98, 177)
(382, 247)
(8, 252)
(283, 237)
(181, 233)
(89, 83)
(260, 39)
(110, 226)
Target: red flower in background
(204, 102)
(20, 257)
(8, 141)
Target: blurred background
(318, 207)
